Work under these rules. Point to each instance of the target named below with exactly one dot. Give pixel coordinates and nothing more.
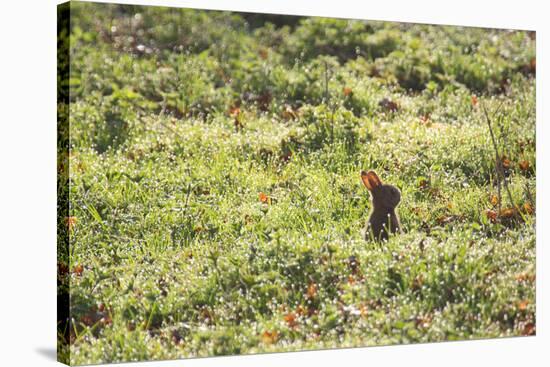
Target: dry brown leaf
(417, 283)
(388, 104)
(494, 200)
(97, 315)
(526, 277)
(106, 320)
(199, 228)
(286, 156)
(416, 210)
(423, 184)
(353, 264)
(529, 329)
(311, 291)
(508, 212)
(491, 215)
(425, 120)
(177, 338)
(474, 100)
(423, 321)
(88, 320)
(264, 54)
(289, 113)
(445, 219)
(264, 100)
(347, 91)
(62, 269)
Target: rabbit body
(379, 221)
(385, 198)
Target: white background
(28, 188)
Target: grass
(216, 205)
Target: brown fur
(385, 199)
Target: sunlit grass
(194, 235)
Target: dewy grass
(216, 195)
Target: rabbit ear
(370, 180)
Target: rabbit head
(384, 197)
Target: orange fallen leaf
(528, 208)
(234, 111)
(494, 200)
(522, 306)
(270, 337)
(364, 310)
(526, 277)
(505, 162)
(291, 319)
(347, 91)
(78, 269)
(524, 165)
(71, 222)
(264, 198)
(474, 100)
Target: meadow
(215, 204)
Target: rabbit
(385, 199)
